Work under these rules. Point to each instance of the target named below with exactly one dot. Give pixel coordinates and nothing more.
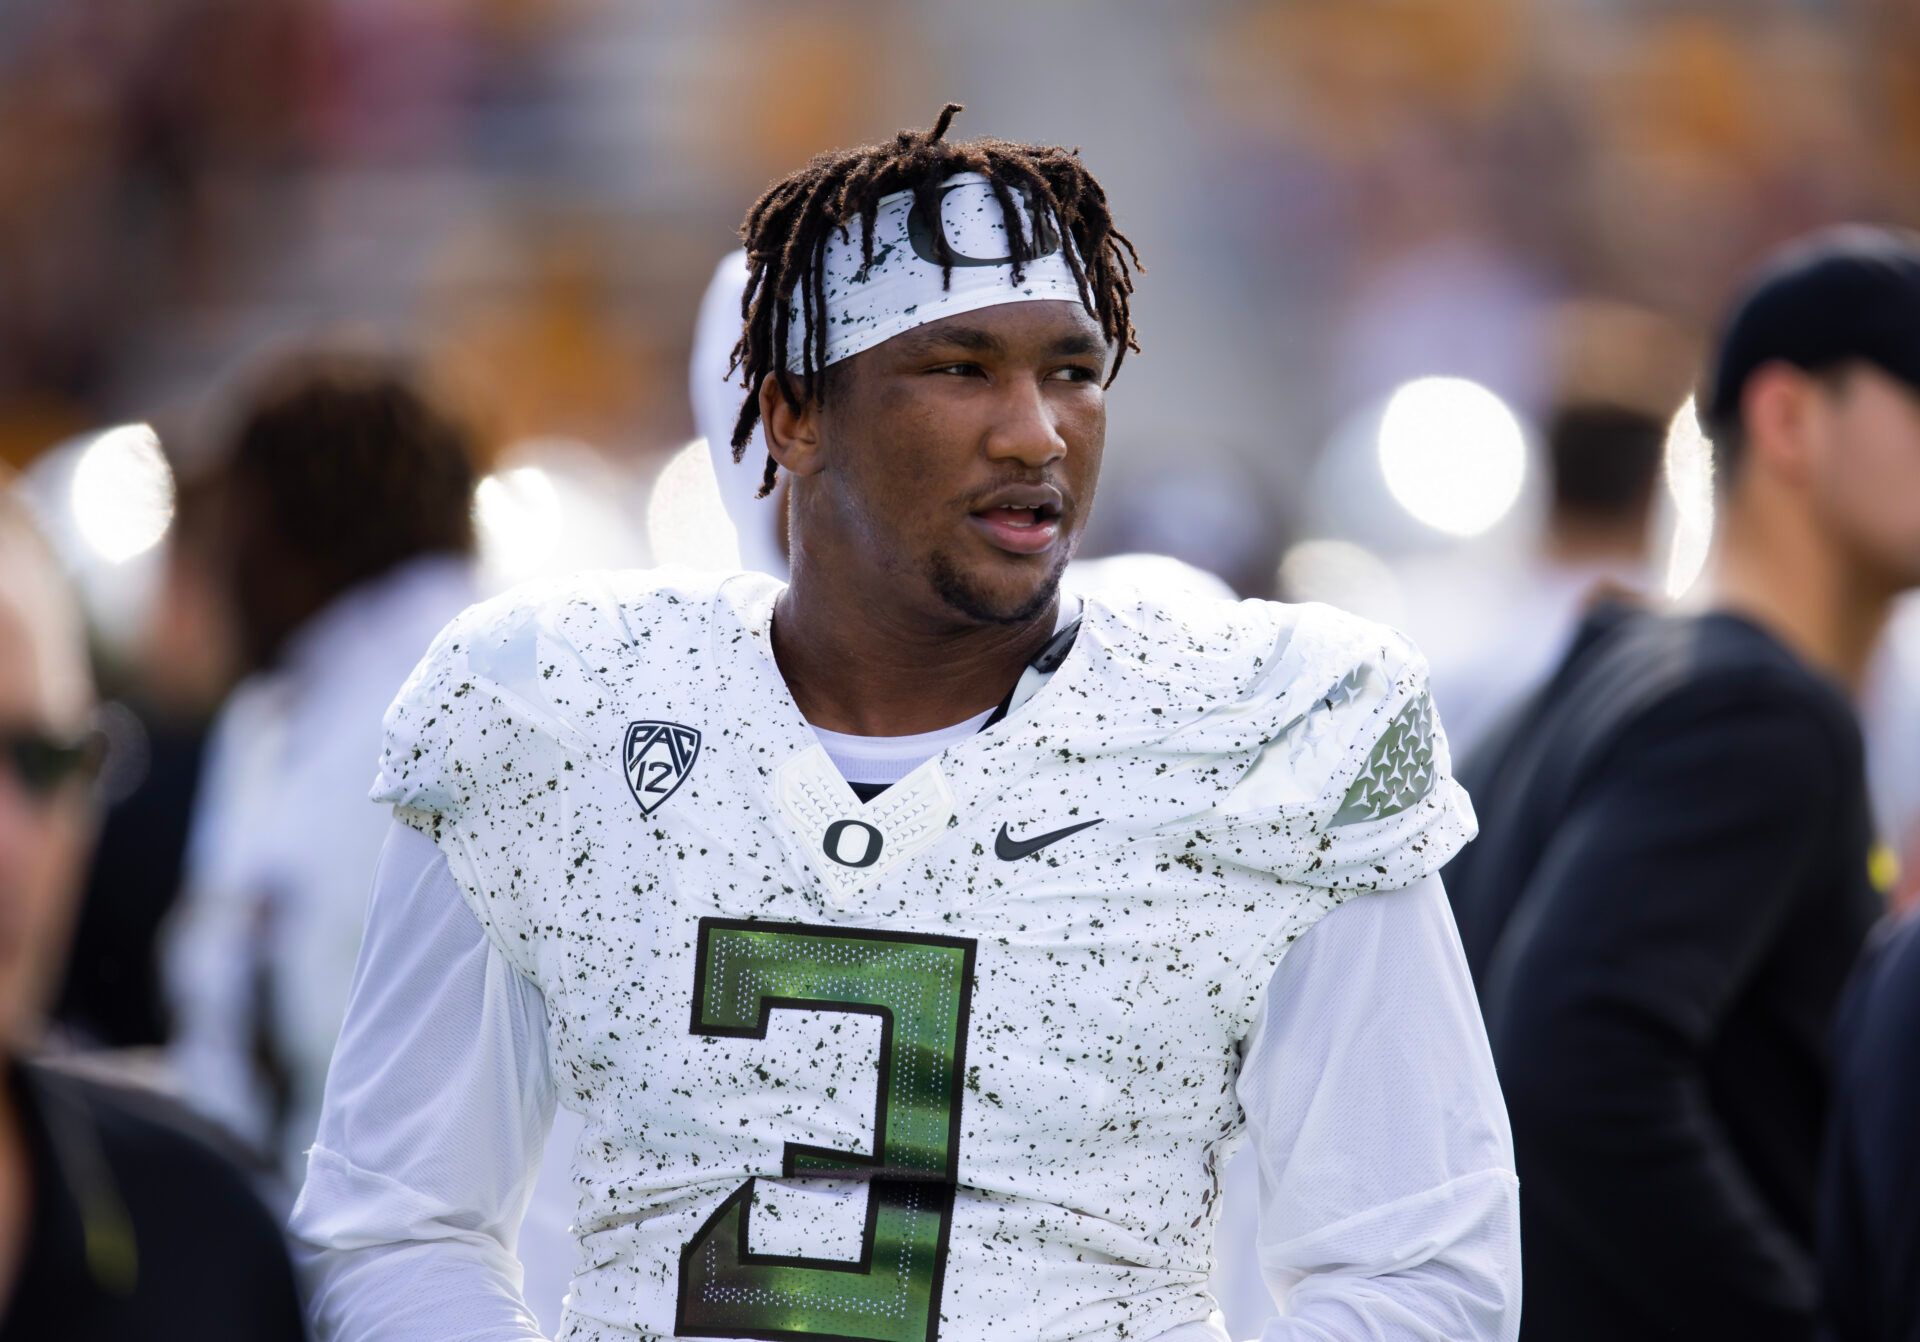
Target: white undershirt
(1388, 1206)
(888, 759)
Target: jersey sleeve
(475, 751)
(417, 772)
(1354, 788)
(437, 1104)
(1384, 1159)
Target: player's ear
(793, 436)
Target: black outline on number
(867, 1169)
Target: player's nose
(1023, 428)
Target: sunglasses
(44, 763)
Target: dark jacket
(138, 1231)
(1870, 1197)
(1668, 890)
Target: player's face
(45, 822)
(965, 454)
(1868, 473)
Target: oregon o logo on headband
(920, 234)
(904, 285)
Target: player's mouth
(1022, 519)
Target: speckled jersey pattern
(845, 1071)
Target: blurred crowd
(325, 317)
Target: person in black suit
(1870, 1188)
(1672, 876)
(114, 1223)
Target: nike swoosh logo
(1009, 849)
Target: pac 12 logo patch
(659, 756)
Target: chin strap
(1041, 668)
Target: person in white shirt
(345, 536)
(916, 942)
(346, 526)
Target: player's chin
(998, 588)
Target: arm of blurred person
(212, 952)
(1655, 904)
(1870, 1187)
(437, 1106)
(1389, 1211)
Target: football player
(914, 941)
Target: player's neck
(1779, 573)
(874, 669)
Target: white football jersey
(954, 1063)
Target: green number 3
(920, 988)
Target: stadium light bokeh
(121, 496)
(1453, 454)
(1689, 477)
(518, 516)
(555, 505)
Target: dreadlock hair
(788, 228)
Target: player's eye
(958, 369)
(1072, 373)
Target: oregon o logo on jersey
(921, 988)
(852, 843)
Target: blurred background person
(1673, 875)
(114, 1224)
(1493, 630)
(340, 507)
(112, 997)
(343, 532)
(1603, 461)
(1870, 1189)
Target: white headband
(902, 289)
